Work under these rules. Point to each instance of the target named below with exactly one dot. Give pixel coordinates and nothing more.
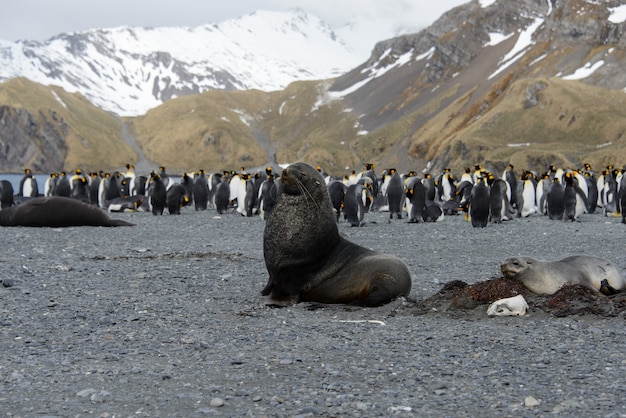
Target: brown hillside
(52, 130)
(226, 130)
(532, 124)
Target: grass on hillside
(92, 135)
(572, 123)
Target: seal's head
(302, 179)
(512, 267)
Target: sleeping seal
(56, 212)
(307, 259)
(546, 277)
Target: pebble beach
(166, 319)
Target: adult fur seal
(546, 277)
(57, 211)
(308, 260)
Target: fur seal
(546, 277)
(307, 259)
(56, 212)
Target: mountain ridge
(129, 70)
(437, 98)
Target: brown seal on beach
(308, 260)
(546, 277)
(57, 211)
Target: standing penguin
(337, 192)
(622, 198)
(187, 182)
(526, 195)
(573, 198)
(499, 205)
(509, 176)
(251, 196)
(369, 173)
(555, 201)
(92, 188)
(80, 189)
(479, 204)
(446, 188)
(463, 198)
(395, 194)
(50, 185)
(541, 193)
(222, 195)
(28, 185)
(200, 191)
(592, 188)
(429, 186)
(6, 194)
(63, 187)
(268, 194)
(175, 198)
(416, 195)
(357, 198)
(157, 195)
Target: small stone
(99, 397)
(530, 402)
(308, 411)
(216, 402)
(361, 406)
(86, 392)
(8, 282)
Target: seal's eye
(317, 183)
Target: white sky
(41, 19)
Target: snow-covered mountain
(129, 70)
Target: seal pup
(546, 277)
(56, 212)
(307, 259)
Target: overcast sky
(41, 19)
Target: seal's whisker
(308, 194)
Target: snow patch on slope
(618, 14)
(131, 70)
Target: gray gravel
(166, 319)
